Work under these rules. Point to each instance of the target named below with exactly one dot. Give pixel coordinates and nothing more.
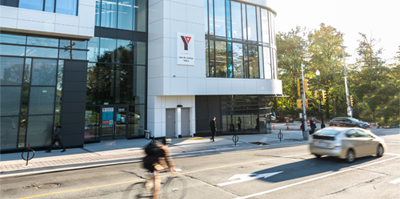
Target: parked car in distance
(348, 122)
(346, 143)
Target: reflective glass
(12, 38)
(107, 50)
(272, 29)
(91, 83)
(44, 72)
(109, 13)
(236, 21)
(220, 59)
(10, 99)
(40, 129)
(141, 52)
(207, 60)
(74, 54)
(12, 50)
(97, 13)
(125, 14)
(11, 70)
(265, 28)
(26, 85)
(253, 62)
(125, 92)
(274, 64)
(238, 60)
(206, 17)
(259, 25)
(41, 100)
(211, 16)
(124, 51)
(92, 122)
(76, 44)
(137, 119)
(228, 19)
(220, 28)
(41, 52)
(141, 15)
(49, 6)
(42, 41)
(267, 63)
(105, 83)
(230, 65)
(140, 86)
(68, 7)
(93, 47)
(246, 61)
(9, 132)
(13, 3)
(251, 23)
(244, 21)
(22, 131)
(31, 4)
(212, 58)
(260, 61)
(60, 75)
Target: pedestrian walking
(213, 126)
(302, 127)
(313, 126)
(56, 138)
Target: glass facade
(240, 40)
(31, 87)
(122, 14)
(68, 7)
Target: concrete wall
(46, 23)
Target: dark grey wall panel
(72, 65)
(74, 107)
(120, 34)
(73, 76)
(73, 118)
(74, 97)
(73, 139)
(73, 128)
(74, 86)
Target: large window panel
(267, 63)
(41, 100)
(60, 75)
(92, 83)
(206, 17)
(31, 4)
(68, 7)
(212, 58)
(259, 25)
(97, 13)
(251, 23)
(220, 59)
(40, 129)
(265, 27)
(125, 51)
(238, 60)
(74, 44)
(41, 52)
(10, 100)
(105, 85)
(107, 50)
(253, 62)
(72, 54)
(244, 21)
(211, 16)
(272, 27)
(207, 60)
(109, 14)
(12, 50)
(9, 132)
(125, 14)
(42, 41)
(141, 15)
(93, 47)
(44, 72)
(274, 64)
(140, 53)
(140, 84)
(230, 61)
(49, 6)
(246, 61)
(11, 70)
(228, 19)
(26, 86)
(12, 38)
(136, 120)
(260, 61)
(220, 28)
(236, 20)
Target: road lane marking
(247, 177)
(313, 179)
(391, 154)
(395, 181)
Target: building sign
(107, 116)
(185, 45)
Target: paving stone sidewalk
(128, 151)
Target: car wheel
(380, 151)
(350, 156)
(317, 156)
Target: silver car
(346, 143)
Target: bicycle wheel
(142, 191)
(174, 188)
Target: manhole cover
(48, 186)
(259, 143)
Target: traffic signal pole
(304, 105)
(349, 111)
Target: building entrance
(114, 122)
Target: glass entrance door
(113, 122)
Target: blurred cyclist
(158, 159)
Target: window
(236, 21)
(220, 28)
(251, 23)
(69, 7)
(238, 60)
(31, 4)
(109, 14)
(220, 58)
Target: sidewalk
(127, 151)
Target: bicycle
(173, 187)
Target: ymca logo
(186, 40)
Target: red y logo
(186, 41)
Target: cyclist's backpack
(152, 149)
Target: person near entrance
(56, 138)
(158, 159)
(213, 126)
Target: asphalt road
(294, 174)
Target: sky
(377, 18)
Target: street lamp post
(320, 105)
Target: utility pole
(304, 105)
(349, 111)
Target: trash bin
(147, 134)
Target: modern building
(111, 69)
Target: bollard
(235, 138)
(27, 156)
(280, 135)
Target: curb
(194, 138)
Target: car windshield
(328, 132)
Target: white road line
(391, 154)
(395, 181)
(317, 178)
